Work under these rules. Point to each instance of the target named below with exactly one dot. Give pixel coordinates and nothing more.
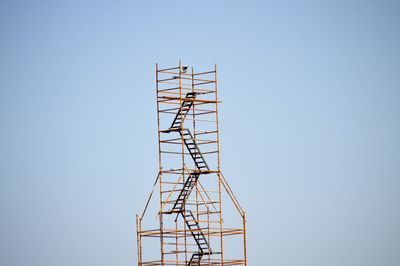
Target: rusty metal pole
(137, 239)
(160, 167)
(244, 239)
(219, 167)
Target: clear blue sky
(310, 125)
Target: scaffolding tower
(189, 228)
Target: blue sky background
(309, 124)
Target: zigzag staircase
(190, 183)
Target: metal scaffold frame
(190, 228)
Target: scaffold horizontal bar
(204, 73)
(189, 99)
(166, 69)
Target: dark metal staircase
(185, 192)
(198, 236)
(190, 183)
(181, 115)
(194, 150)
